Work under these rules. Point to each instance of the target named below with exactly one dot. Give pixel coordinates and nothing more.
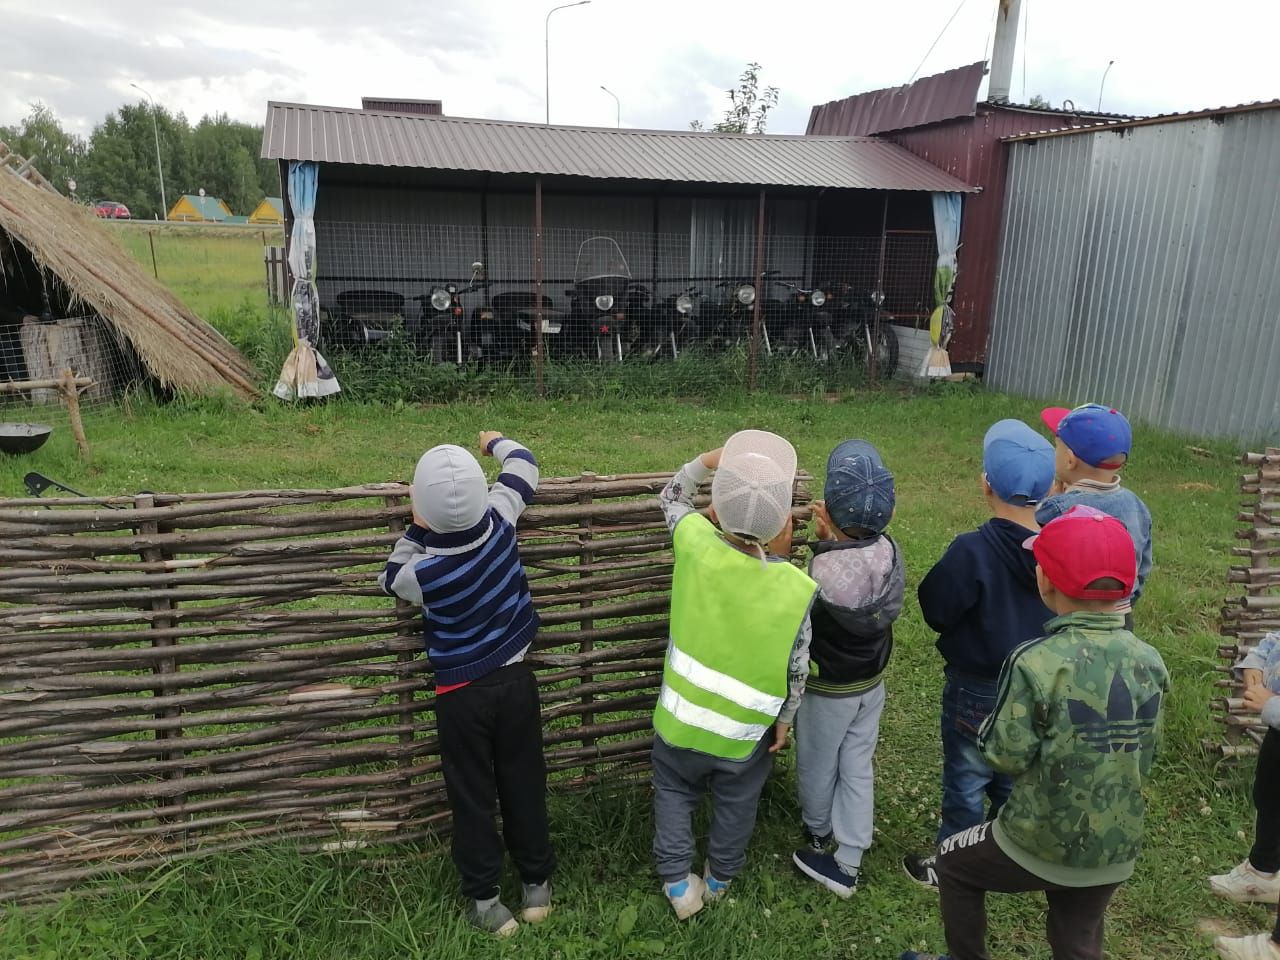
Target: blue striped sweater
(476, 608)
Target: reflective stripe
(692, 715)
(723, 685)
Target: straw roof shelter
(67, 242)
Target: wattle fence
(182, 675)
(1249, 618)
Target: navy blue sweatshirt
(981, 598)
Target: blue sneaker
(822, 868)
(913, 955)
(715, 888)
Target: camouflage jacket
(1076, 723)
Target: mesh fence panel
(580, 304)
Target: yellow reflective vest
(734, 622)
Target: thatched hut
(57, 261)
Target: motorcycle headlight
(684, 303)
(441, 298)
(817, 298)
(746, 294)
(604, 301)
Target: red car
(110, 210)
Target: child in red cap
(1076, 724)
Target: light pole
(616, 102)
(164, 205)
(546, 49)
(1110, 64)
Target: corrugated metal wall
(1141, 268)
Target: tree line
(118, 160)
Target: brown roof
(944, 96)
(343, 135)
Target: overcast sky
(667, 60)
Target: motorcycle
(602, 291)
(802, 322)
(504, 330)
(442, 318)
(727, 322)
(864, 329)
(361, 318)
(674, 325)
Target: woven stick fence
(1246, 620)
(190, 674)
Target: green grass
(272, 903)
(212, 268)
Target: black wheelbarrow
(18, 438)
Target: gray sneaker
(492, 917)
(537, 902)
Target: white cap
(449, 489)
(752, 488)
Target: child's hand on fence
(486, 438)
(1252, 678)
(1255, 698)
(780, 731)
(821, 521)
(711, 459)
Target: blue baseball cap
(859, 488)
(1018, 462)
(1098, 435)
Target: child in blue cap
(860, 579)
(1093, 443)
(982, 599)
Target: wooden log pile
(189, 674)
(1249, 618)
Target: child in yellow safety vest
(737, 660)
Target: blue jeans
(967, 780)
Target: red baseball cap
(1084, 545)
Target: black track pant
(971, 863)
(1265, 855)
(491, 749)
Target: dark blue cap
(1018, 462)
(1098, 435)
(859, 489)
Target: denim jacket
(1125, 505)
(1266, 657)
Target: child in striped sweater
(458, 561)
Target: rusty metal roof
(943, 96)
(343, 135)
(1148, 121)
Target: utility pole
(164, 206)
(546, 50)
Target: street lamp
(615, 100)
(1110, 64)
(155, 129)
(546, 48)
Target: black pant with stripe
(491, 750)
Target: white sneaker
(1244, 884)
(685, 895)
(1258, 947)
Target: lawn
(273, 903)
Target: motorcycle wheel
(885, 348)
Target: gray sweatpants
(681, 778)
(835, 741)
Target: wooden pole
(758, 305)
(539, 351)
(151, 239)
(71, 394)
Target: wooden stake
(71, 394)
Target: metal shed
(940, 119)
(1138, 268)
(406, 199)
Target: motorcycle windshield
(600, 257)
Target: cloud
(669, 61)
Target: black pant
(1265, 855)
(491, 750)
(972, 863)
